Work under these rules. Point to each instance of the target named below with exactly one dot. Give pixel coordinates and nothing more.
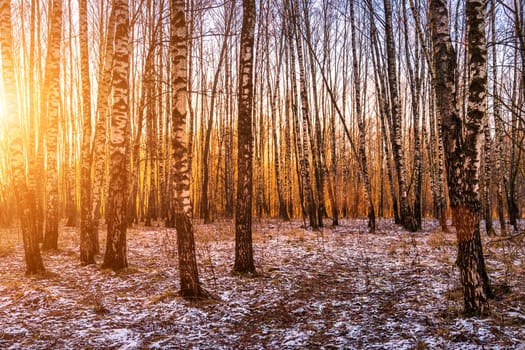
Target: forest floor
(335, 288)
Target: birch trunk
(415, 91)
(276, 125)
(243, 209)
(361, 126)
(87, 251)
(100, 139)
(406, 215)
(462, 150)
(115, 256)
(204, 209)
(320, 168)
(190, 287)
(383, 109)
(498, 124)
(52, 98)
(487, 166)
(25, 204)
(310, 204)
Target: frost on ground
(335, 288)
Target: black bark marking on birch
(243, 213)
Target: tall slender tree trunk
(383, 109)
(71, 173)
(52, 98)
(243, 211)
(25, 204)
(182, 210)
(361, 125)
(498, 123)
(305, 114)
(511, 174)
(461, 150)
(415, 91)
(518, 99)
(205, 210)
(318, 150)
(436, 137)
(407, 217)
(276, 126)
(87, 251)
(228, 142)
(333, 170)
(37, 126)
(150, 103)
(99, 141)
(296, 131)
(115, 256)
(288, 174)
(487, 166)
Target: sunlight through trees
(168, 113)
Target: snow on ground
(331, 289)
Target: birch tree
(115, 256)
(406, 215)
(100, 138)
(182, 209)
(361, 125)
(87, 251)
(243, 210)
(498, 124)
(25, 204)
(462, 143)
(205, 210)
(51, 99)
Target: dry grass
(95, 302)
(436, 239)
(440, 239)
(336, 285)
(454, 294)
(219, 231)
(165, 295)
(6, 249)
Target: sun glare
(3, 110)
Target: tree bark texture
(361, 126)
(462, 143)
(87, 252)
(180, 169)
(52, 98)
(406, 215)
(99, 142)
(243, 210)
(115, 256)
(25, 203)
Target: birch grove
(170, 113)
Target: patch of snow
(339, 288)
